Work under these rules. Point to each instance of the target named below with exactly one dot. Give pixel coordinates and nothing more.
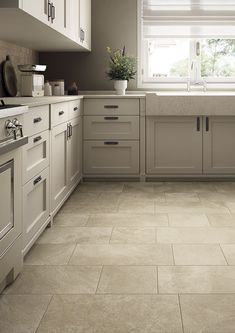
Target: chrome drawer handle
(37, 180)
(37, 120)
(61, 113)
(111, 118)
(111, 143)
(75, 109)
(38, 138)
(111, 106)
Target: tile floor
(131, 258)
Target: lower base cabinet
(111, 157)
(35, 207)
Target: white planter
(120, 87)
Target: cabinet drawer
(35, 206)
(111, 127)
(35, 155)
(111, 106)
(111, 157)
(59, 113)
(75, 109)
(36, 120)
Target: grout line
(44, 314)
(173, 255)
(101, 272)
(75, 246)
(111, 234)
(181, 314)
(223, 254)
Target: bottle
(47, 89)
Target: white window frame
(174, 83)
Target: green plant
(122, 66)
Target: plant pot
(120, 87)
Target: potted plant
(122, 68)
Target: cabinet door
(38, 9)
(59, 162)
(74, 151)
(218, 145)
(111, 157)
(59, 14)
(35, 207)
(174, 145)
(72, 19)
(85, 23)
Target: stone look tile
(229, 252)
(102, 187)
(119, 254)
(49, 280)
(49, 254)
(22, 313)
(225, 186)
(137, 206)
(221, 220)
(217, 196)
(112, 314)
(196, 279)
(70, 220)
(61, 235)
(128, 280)
(198, 235)
(206, 207)
(184, 187)
(123, 235)
(198, 255)
(217, 315)
(183, 197)
(128, 220)
(188, 220)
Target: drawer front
(111, 157)
(75, 109)
(59, 113)
(36, 120)
(35, 196)
(111, 127)
(35, 155)
(111, 106)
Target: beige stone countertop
(38, 101)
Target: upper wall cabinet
(47, 25)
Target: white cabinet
(74, 151)
(174, 145)
(218, 145)
(58, 15)
(38, 9)
(85, 23)
(72, 19)
(35, 208)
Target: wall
(19, 55)
(114, 24)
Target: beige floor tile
(102, 187)
(198, 255)
(188, 220)
(128, 280)
(200, 235)
(128, 220)
(119, 254)
(217, 315)
(183, 187)
(49, 254)
(68, 235)
(225, 186)
(22, 314)
(138, 195)
(50, 280)
(229, 252)
(112, 314)
(182, 197)
(217, 196)
(137, 206)
(138, 235)
(221, 220)
(196, 279)
(231, 206)
(70, 220)
(134, 187)
(206, 207)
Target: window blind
(188, 18)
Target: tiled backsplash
(19, 55)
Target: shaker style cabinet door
(85, 23)
(174, 145)
(38, 9)
(219, 145)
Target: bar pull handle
(68, 131)
(111, 143)
(38, 138)
(111, 106)
(75, 109)
(111, 118)
(37, 120)
(49, 10)
(207, 124)
(71, 130)
(198, 124)
(61, 113)
(37, 180)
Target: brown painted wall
(114, 24)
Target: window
(186, 40)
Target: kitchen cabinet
(74, 151)
(85, 23)
(174, 145)
(38, 9)
(218, 145)
(72, 19)
(58, 13)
